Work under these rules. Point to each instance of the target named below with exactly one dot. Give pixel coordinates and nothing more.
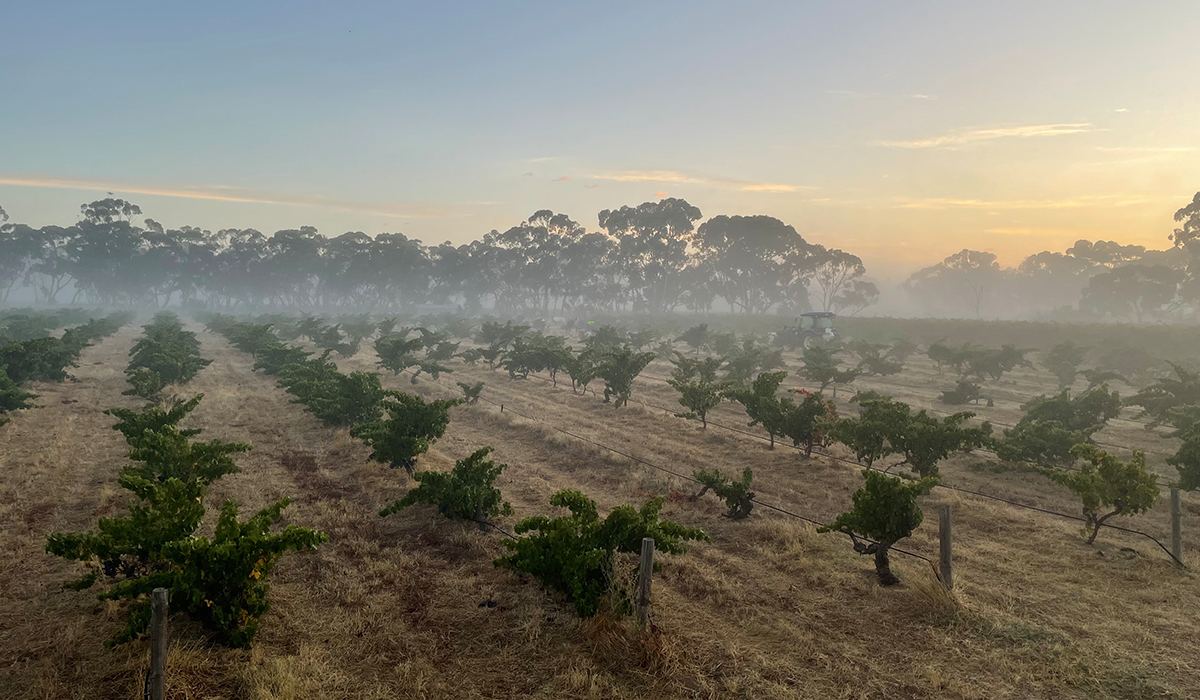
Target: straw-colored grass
(410, 606)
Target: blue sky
(900, 131)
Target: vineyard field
(412, 606)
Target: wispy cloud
(1113, 200)
(960, 137)
(527, 175)
(660, 194)
(1037, 231)
(225, 193)
(543, 159)
(590, 187)
(676, 176)
(923, 97)
(564, 178)
(1147, 149)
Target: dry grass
(411, 606)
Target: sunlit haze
(901, 131)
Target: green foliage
(821, 367)
(412, 425)
(164, 355)
(885, 510)
(1053, 425)
(465, 493)
(221, 582)
(12, 397)
(1045, 443)
(744, 362)
(132, 424)
(333, 397)
(888, 427)
(1187, 461)
(143, 382)
(1105, 482)
(695, 337)
(38, 360)
(1087, 411)
(808, 421)
(1063, 361)
(537, 353)
(695, 380)
(471, 392)
(1097, 377)
(872, 359)
(397, 352)
(582, 368)
(1166, 394)
(737, 494)
(574, 553)
(618, 369)
(760, 402)
(963, 392)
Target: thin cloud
(590, 187)
(675, 176)
(923, 97)
(225, 193)
(564, 178)
(527, 175)
(1146, 149)
(660, 194)
(960, 137)
(543, 159)
(996, 205)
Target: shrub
(1063, 361)
(1106, 482)
(695, 380)
(411, 427)
(695, 337)
(761, 404)
(397, 352)
(737, 494)
(333, 397)
(465, 493)
(574, 553)
(582, 368)
(873, 361)
(38, 360)
(1160, 398)
(963, 392)
(164, 355)
(12, 397)
(888, 427)
(885, 510)
(1052, 426)
(806, 422)
(1186, 461)
(618, 369)
(471, 392)
(221, 582)
(821, 367)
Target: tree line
(646, 258)
(1100, 280)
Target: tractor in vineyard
(812, 327)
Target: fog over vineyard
(720, 351)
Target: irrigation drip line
(979, 494)
(672, 472)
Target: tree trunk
(883, 567)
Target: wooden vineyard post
(945, 564)
(156, 677)
(1176, 526)
(645, 572)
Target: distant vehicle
(812, 326)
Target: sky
(901, 132)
